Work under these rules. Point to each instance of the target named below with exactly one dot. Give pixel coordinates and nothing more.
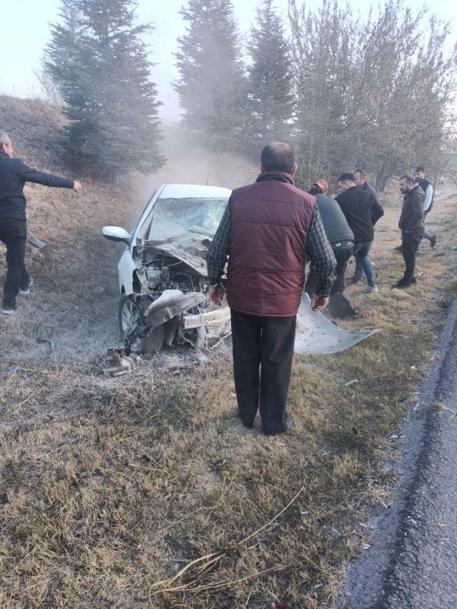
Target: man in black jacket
(360, 178)
(411, 225)
(13, 227)
(362, 211)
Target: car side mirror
(116, 233)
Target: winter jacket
(335, 224)
(14, 173)
(362, 211)
(412, 213)
(270, 221)
(370, 190)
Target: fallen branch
(223, 584)
(210, 560)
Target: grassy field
(145, 491)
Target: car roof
(182, 191)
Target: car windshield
(173, 217)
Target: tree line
(374, 92)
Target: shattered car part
(163, 274)
(121, 363)
(316, 334)
(163, 279)
(36, 242)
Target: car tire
(130, 316)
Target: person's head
(319, 187)
(360, 177)
(280, 157)
(345, 181)
(420, 173)
(407, 183)
(5, 143)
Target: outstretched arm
(28, 174)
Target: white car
(163, 273)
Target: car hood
(190, 248)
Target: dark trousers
(429, 236)
(263, 349)
(342, 255)
(13, 233)
(409, 246)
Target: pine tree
(270, 76)
(212, 85)
(100, 65)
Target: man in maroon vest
(269, 230)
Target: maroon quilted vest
(270, 221)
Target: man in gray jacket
(341, 238)
(411, 225)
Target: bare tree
(374, 92)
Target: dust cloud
(190, 163)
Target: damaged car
(163, 273)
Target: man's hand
(318, 303)
(216, 294)
(76, 186)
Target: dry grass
(109, 488)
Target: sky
(25, 33)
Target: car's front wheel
(130, 319)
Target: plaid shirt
(318, 250)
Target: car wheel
(130, 318)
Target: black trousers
(263, 349)
(13, 233)
(342, 255)
(409, 245)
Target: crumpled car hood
(188, 248)
(318, 335)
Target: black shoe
(274, 432)
(399, 248)
(355, 279)
(278, 430)
(433, 240)
(8, 309)
(403, 283)
(25, 289)
(340, 307)
(249, 424)
(413, 280)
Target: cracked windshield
(173, 217)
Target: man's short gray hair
(4, 138)
(278, 156)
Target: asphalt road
(412, 561)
